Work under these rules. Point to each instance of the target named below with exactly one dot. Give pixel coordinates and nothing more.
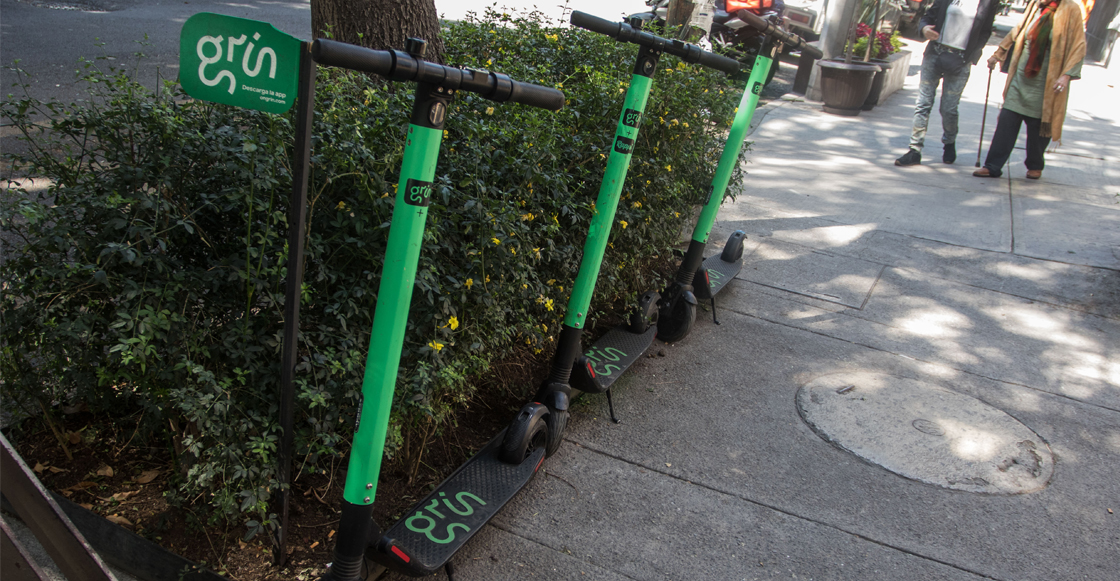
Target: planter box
(894, 74)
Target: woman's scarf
(1040, 39)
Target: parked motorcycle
(729, 35)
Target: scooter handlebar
(622, 32)
(400, 66)
(536, 96)
(787, 38)
(596, 24)
(332, 53)
(718, 62)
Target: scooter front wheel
(676, 319)
(557, 421)
(528, 432)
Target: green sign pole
(240, 62)
(251, 64)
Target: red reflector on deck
(399, 553)
(590, 370)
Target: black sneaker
(950, 154)
(912, 157)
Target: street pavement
(980, 314)
(916, 374)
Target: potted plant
(878, 52)
(846, 83)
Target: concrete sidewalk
(877, 306)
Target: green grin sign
(238, 62)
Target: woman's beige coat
(1067, 48)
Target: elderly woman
(1046, 48)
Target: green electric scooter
(702, 279)
(595, 370)
(357, 533)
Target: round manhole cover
(926, 433)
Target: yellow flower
(453, 322)
(636, 205)
(548, 304)
(512, 250)
(487, 279)
(385, 195)
(469, 283)
(529, 216)
(685, 124)
(341, 206)
(668, 168)
(675, 122)
(624, 224)
(435, 345)
(537, 253)
(445, 134)
(544, 328)
(495, 241)
(489, 110)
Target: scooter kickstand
(447, 568)
(714, 319)
(610, 406)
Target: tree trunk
(378, 24)
(680, 12)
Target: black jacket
(981, 26)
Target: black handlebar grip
(595, 24)
(340, 54)
(811, 50)
(718, 62)
(536, 96)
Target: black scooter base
(719, 274)
(431, 533)
(609, 358)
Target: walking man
(957, 31)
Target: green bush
(150, 277)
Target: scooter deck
(610, 357)
(438, 526)
(720, 273)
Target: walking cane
(984, 119)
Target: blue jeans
(954, 83)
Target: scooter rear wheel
(733, 250)
(527, 432)
(646, 313)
